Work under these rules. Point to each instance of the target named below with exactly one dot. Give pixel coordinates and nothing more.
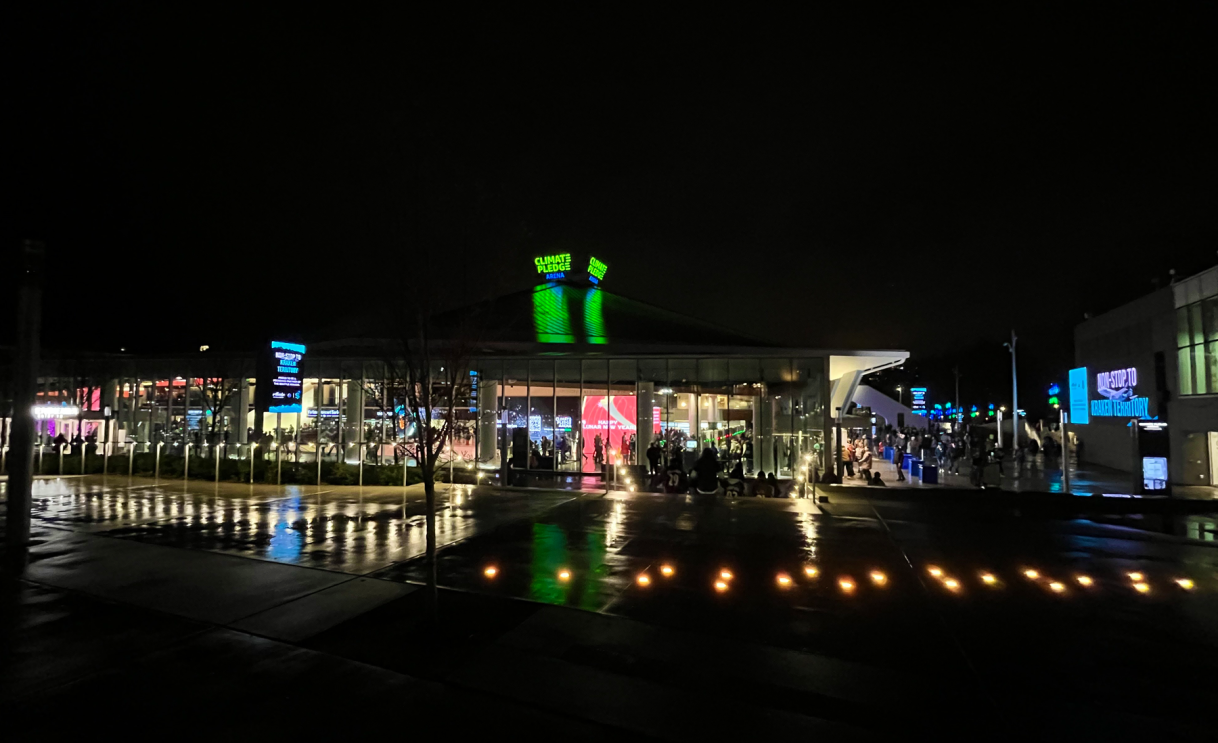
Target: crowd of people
(947, 450)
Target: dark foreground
(166, 609)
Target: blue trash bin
(888, 453)
(930, 474)
(915, 468)
(907, 462)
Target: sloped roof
(572, 315)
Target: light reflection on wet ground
(588, 552)
(337, 529)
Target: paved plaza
(601, 614)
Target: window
(1196, 324)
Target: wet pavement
(865, 615)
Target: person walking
(653, 457)
(898, 458)
(848, 459)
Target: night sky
(884, 181)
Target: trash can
(888, 450)
(907, 462)
(930, 474)
(915, 468)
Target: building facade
(1147, 365)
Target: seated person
(734, 485)
(761, 487)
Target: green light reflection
(551, 320)
(549, 555)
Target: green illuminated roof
(559, 316)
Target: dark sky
(896, 181)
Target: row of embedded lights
(723, 580)
(1137, 580)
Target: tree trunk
(429, 488)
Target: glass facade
(1197, 347)
(766, 414)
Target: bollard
(318, 456)
(252, 447)
(361, 462)
(82, 457)
(60, 460)
(40, 448)
(186, 471)
(215, 454)
(106, 460)
(157, 470)
(130, 459)
(278, 465)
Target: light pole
(1014, 395)
(157, 470)
(900, 395)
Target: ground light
(810, 571)
(1185, 583)
(1141, 587)
(1084, 580)
(784, 580)
(847, 584)
(1057, 587)
(491, 571)
(1031, 574)
(936, 572)
(666, 571)
(988, 579)
(720, 586)
(1137, 577)
(952, 584)
(644, 580)
(878, 578)
(725, 574)
(564, 574)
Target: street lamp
(900, 395)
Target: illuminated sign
(918, 405)
(325, 413)
(1079, 412)
(285, 384)
(1120, 400)
(1154, 473)
(553, 266)
(563, 422)
(47, 412)
(596, 270)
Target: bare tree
(433, 376)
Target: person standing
(653, 458)
(898, 458)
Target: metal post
(27, 273)
(252, 447)
(363, 385)
(186, 471)
(82, 453)
(60, 460)
(1065, 452)
(1014, 396)
(157, 472)
(215, 454)
(130, 458)
(41, 448)
(278, 448)
(999, 429)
